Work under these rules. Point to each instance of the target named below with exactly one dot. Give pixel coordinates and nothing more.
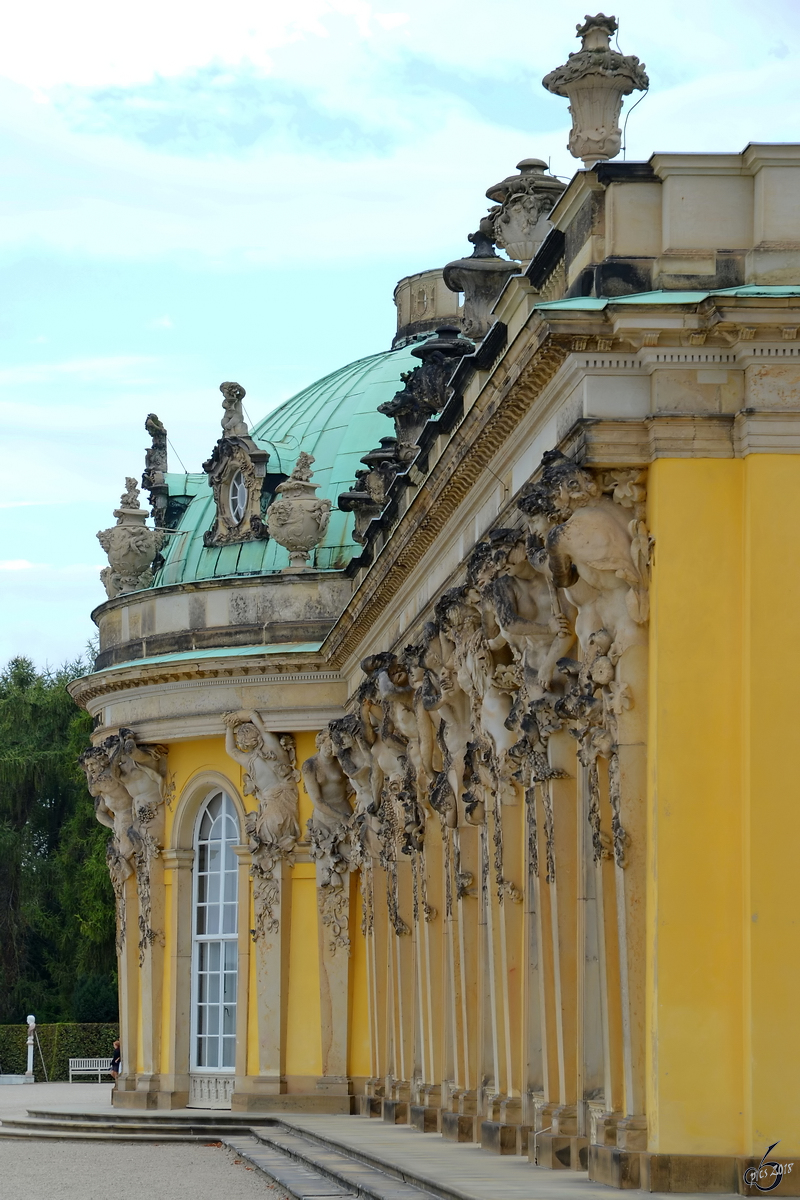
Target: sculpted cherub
(233, 422)
(270, 776)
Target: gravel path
(75, 1171)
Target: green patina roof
(336, 420)
(590, 303)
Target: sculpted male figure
(589, 551)
(142, 770)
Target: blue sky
(193, 192)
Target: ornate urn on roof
(130, 546)
(523, 202)
(481, 278)
(299, 520)
(595, 79)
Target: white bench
(89, 1066)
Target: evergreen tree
(56, 902)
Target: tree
(56, 902)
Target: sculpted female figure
(270, 776)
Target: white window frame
(232, 939)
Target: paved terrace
(75, 1171)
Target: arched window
(215, 928)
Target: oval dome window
(237, 497)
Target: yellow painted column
(695, 952)
(771, 911)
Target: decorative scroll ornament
(595, 80)
(298, 520)
(128, 783)
(130, 545)
(236, 471)
(270, 775)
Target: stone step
(73, 1135)
(157, 1117)
(184, 1130)
(363, 1173)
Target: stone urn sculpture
(299, 519)
(595, 80)
(481, 278)
(519, 221)
(130, 546)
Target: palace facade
(449, 779)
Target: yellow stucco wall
(723, 819)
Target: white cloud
(16, 564)
(164, 322)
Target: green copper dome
(336, 420)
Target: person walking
(116, 1062)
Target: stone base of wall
(501, 1137)
(717, 1173)
(558, 1152)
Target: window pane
(216, 917)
